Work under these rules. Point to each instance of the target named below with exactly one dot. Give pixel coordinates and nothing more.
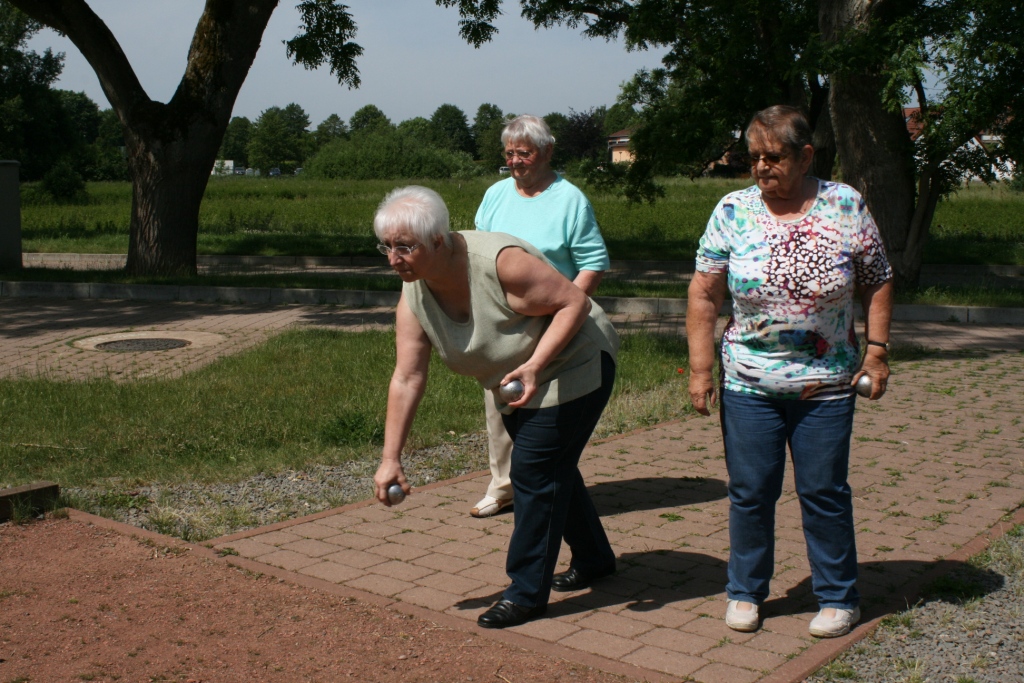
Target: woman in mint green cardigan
(495, 309)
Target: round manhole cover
(144, 344)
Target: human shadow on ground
(644, 581)
(26, 317)
(649, 581)
(652, 493)
(891, 586)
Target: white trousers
(499, 451)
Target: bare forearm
(588, 280)
(877, 301)
(404, 396)
(703, 304)
(564, 325)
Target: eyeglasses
(401, 250)
(770, 159)
(523, 154)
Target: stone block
(35, 498)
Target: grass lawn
(303, 398)
(305, 217)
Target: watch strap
(884, 345)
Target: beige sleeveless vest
(496, 340)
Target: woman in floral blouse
(792, 251)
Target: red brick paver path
(934, 464)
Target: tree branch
(76, 20)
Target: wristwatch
(884, 345)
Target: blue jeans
(551, 500)
(756, 431)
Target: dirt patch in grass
(78, 602)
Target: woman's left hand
(877, 368)
(390, 472)
(528, 377)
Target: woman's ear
(806, 158)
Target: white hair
(417, 209)
(528, 128)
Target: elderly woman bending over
(792, 251)
(494, 309)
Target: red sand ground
(81, 603)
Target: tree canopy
(451, 129)
(851, 64)
(171, 147)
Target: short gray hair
(529, 128)
(784, 123)
(414, 208)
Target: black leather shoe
(576, 579)
(505, 613)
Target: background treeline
(64, 139)
(370, 146)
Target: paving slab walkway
(934, 465)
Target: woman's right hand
(390, 472)
(703, 393)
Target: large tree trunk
(824, 136)
(875, 150)
(172, 146)
(169, 177)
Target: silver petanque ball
(511, 391)
(395, 494)
(864, 386)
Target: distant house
(618, 145)
(223, 167)
(984, 140)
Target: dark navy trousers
(551, 500)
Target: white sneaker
(745, 620)
(489, 506)
(834, 626)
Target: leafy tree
(417, 127)
(109, 161)
(34, 127)
(367, 119)
(330, 129)
(64, 184)
(583, 136)
(279, 138)
(236, 141)
(619, 116)
(451, 129)
(487, 115)
(387, 152)
(82, 113)
(171, 147)
(270, 143)
(852, 64)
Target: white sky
(413, 61)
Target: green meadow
(307, 217)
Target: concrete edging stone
(980, 315)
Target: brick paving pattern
(934, 464)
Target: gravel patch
(197, 511)
(969, 629)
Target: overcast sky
(413, 61)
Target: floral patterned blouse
(792, 282)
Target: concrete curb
(979, 315)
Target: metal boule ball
(511, 391)
(396, 494)
(864, 386)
